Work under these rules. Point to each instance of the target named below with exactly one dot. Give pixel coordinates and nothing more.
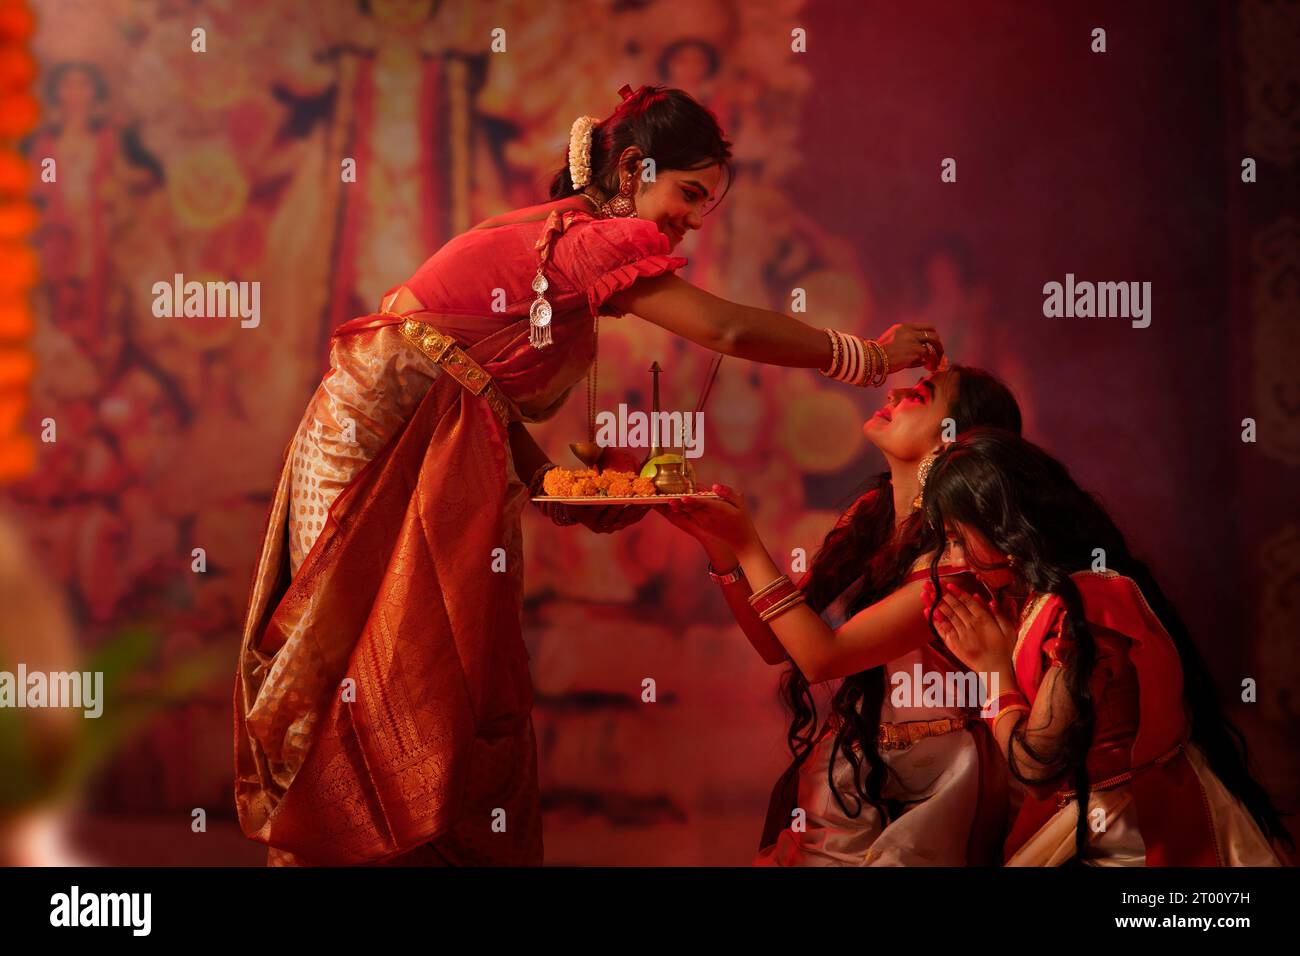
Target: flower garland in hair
(580, 150)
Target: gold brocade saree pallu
(398, 595)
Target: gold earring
(922, 473)
(622, 204)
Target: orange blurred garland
(19, 111)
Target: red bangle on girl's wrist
(776, 598)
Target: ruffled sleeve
(601, 257)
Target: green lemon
(651, 467)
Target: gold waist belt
(453, 360)
(1063, 797)
(900, 736)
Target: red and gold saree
(1154, 801)
(383, 697)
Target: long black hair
(667, 125)
(865, 559)
(1028, 506)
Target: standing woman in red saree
(383, 698)
(1104, 701)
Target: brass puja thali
(616, 476)
(649, 501)
(658, 482)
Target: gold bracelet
(993, 724)
(874, 371)
(794, 597)
(884, 362)
(855, 360)
(835, 354)
(770, 586)
(776, 610)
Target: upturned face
(910, 424)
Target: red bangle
(1010, 700)
(776, 592)
(1010, 697)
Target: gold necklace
(599, 210)
(593, 372)
(591, 381)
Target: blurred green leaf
(132, 697)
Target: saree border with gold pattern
(395, 594)
(1187, 817)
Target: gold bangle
(880, 363)
(993, 724)
(770, 586)
(776, 610)
(835, 354)
(855, 360)
(794, 597)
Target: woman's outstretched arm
(876, 635)
(886, 630)
(736, 594)
(758, 335)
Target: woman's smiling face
(677, 199)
